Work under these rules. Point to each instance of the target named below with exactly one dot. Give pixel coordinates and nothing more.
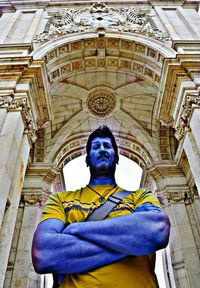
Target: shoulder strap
(101, 212)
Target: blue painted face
(102, 154)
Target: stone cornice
(176, 74)
(13, 5)
(31, 91)
(43, 171)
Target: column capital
(30, 198)
(177, 194)
(20, 103)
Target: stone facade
(65, 69)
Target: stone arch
(149, 57)
(128, 147)
(170, 70)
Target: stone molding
(12, 103)
(185, 116)
(100, 17)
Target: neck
(102, 180)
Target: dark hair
(102, 131)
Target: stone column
(181, 256)
(37, 188)
(12, 129)
(23, 275)
(191, 145)
(17, 149)
(147, 181)
(59, 183)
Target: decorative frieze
(100, 17)
(184, 119)
(12, 103)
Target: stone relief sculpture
(100, 17)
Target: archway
(141, 78)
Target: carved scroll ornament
(183, 125)
(100, 17)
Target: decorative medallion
(100, 17)
(101, 103)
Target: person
(118, 251)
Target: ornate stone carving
(6, 99)
(32, 199)
(20, 103)
(184, 119)
(186, 197)
(101, 103)
(100, 17)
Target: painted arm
(55, 252)
(142, 232)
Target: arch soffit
(161, 47)
(44, 49)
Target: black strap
(101, 212)
(55, 281)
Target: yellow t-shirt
(76, 206)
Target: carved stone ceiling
(123, 101)
(98, 79)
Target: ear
(87, 160)
(117, 159)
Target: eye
(107, 145)
(95, 146)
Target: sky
(128, 176)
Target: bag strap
(101, 212)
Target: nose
(102, 148)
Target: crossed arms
(84, 246)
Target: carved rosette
(100, 17)
(101, 103)
(183, 124)
(12, 103)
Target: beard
(103, 170)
